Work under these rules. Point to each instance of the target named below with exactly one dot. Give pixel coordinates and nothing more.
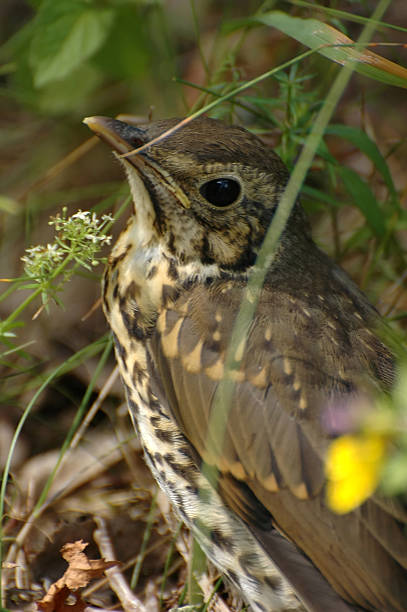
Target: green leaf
(67, 33)
(71, 93)
(368, 147)
(320, 36)
(364, 199)
(125, 53)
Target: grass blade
(334, 45)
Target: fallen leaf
(80, 572)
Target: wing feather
(271, 460)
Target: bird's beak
(124, 138)
(120, 136)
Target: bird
(204, 197)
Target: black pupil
(221, 191)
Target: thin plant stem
(146, 537)
(347, 16)
(6, 472)
(198, 37)
(7, 322)
(225, 390)
(75, 424)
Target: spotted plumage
(204, 198)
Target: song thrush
(203, 200)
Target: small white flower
(83, 215)
(32, 251)
(54, 252)
(92, 238)
(80, 236)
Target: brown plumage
(204, 198)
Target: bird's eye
(221, 191)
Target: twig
(117, 582)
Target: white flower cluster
(41, 260)
(78, 238)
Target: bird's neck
(141, 279)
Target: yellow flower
(352, 467)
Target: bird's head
(206, 193)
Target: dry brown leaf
(55, 600)
(80, 572)
(333, 44)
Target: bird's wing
(270, 462)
